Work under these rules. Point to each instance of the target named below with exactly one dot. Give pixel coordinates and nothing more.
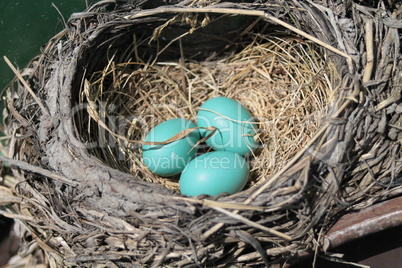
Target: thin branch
(35, 169)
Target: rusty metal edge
(367, 221)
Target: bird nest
(322, 81)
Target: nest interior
(280, 78)
(326, 94)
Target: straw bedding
(322, 80)
(288, 108)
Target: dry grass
(283, 82)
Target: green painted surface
(25, 26)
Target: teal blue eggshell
(170, 159)
(235, 131)
(214, 173)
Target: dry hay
(338, 149)
(283, 81)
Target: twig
(61, 15)
(39, 170)
(212, 204)
(183, 70)
(27, 87)
(254, 224)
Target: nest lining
(82, 212)
(289, 107)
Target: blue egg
(235, 130)
(214, 173)
(170, 159)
